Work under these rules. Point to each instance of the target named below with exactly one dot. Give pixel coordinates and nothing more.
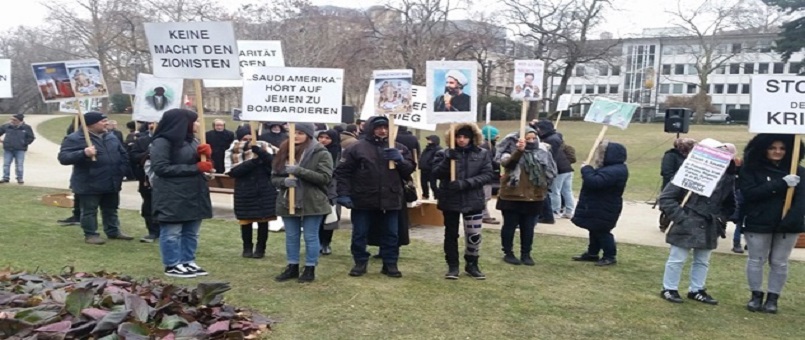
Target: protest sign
(93, 104)
(68, 80)
(611, 113)
(193, 50)
(289, 94)
(564, 102)
(419, 109)
(5, 78)
(258, 53)
(777, 104)
(236, 114)
(528, 76)
(452, 90)
(155, 96)
(392, 92)
(702, 169)
(128, 87)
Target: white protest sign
(193, 50)
(155, 95)
(5, 78)
(609, 112)
(259, 53)
(87, 105)
(528, 76)
(452, 88)
(392, 92)
(128, 87)
(70, 80)
(290, 94)
(564, 102)
(419, 109)
(702, 169)
(777, 104)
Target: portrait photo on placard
(53, 81)
(155, 96)
(528, 76)
(452, 90)
(87, 79)
(392, 96)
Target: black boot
(511, 259)
(391, 270)
(291, 272)
(452, 272)
(246, 237)
(358, 270)
(526, 259)
(771, 303)
(308, 275)
(472, 270)
(756, 302)
(262, 238)
(325, 249)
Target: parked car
(717, 117)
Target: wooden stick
(523, 114)
(84, 129)
(595, 145)
(251, 131)
(417, 175)
(452, 146)
(392, 136)
(260, 129)
(76, 123)
(789, 194)
(200, 110)
(291, 161)
(131, 102)
(556, 125)
(681, 205)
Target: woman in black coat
(220, 139)
(671, 161)
(601, 201)
(331, 140)
(255, 197)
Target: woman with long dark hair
(331, 140)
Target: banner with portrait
(155, 96)
(452, 88)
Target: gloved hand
(205, 166)
(293, 169)
(204, 149)
(392, 154)
(262, 155)
(791, 180)
(290, 182)
(451, 153)
(458, 184)
(344, 201)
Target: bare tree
(486, 46)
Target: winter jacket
(102, 176)
(524, 190)
(347, 139)
(601, 198)
(364, 175)
(699, 223)
(180, 191)
(219, 141)
(671, 161)
(426, 158)
(547, 134)
(316, 171)
(255, 197)
(410, 141)
(138, 154)
(763, 191)
(17, 137)
(473, 169)
(272, 138)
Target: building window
(678, 88)
(613, 89)
(589, 89)
(679, 69)
(580, 71)
(602, 89)
(732, 88)
(691, 88)
(720, 70)
(692, 70)
(749, 68)
(737, 48)
(763, 68)
(718, 88)
(745, 88)
(666, 69)
(603, 70)
(793, 68)
(616, 70)
(729, 107)
(764, 46)
(779, 68)
(665, 88)
(577, 89)
(735, 68)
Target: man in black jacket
(408, 139)
(18, 136)
(463, 196)
(138, 156)
(374, 192)
(219, 139)
(426, 179)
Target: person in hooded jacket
(601, 201)
(562, 188)
(274, 134)
(332, 141)
(696, 226)
(528, 172)
(671, 161)
(219, 139)
(408, 139)
(770, 232)
(426, 178)
(138, 156)
(349, 136)
(181, 197)
(310, 178)
(372, 191)
(249, 163)
(463, 197)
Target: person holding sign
(463, 196)
(770, 235)
(310, 178)
(374, 192)
(697, 224)
(601, 201)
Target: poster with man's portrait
(452, 90)
(528, 76)
(155, 96)
(392, 92)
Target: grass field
(556, 299)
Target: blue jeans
(698, 270)
(178, 242)
(736, 237)
(294, 226)
(18, 156)
(562, 189)
(361, 222)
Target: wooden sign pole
(417, 175)
(789, 193)
(523, 114)
(251, 131)
(558, 118)
(392, 135)
(595, 145)
(84, 128)
(200, 110)
(682, 205)
(291, 161)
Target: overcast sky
(632, 15)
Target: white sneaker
(567, 216)
(179, 271)
(195, 269)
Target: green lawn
(557, 299)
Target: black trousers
(426, 179)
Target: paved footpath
(637, 225)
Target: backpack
(570, 152)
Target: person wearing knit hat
(94, 117)
(308, 128)
(454, 99)
(671, 161)
(18, 136)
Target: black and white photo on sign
(417, 119)
(291, 94)
(155, 95)
(5, 78)
(392, 92)
(256, 53)
(528, 77)
(777, 104)
(193, 50)
(452, 90)
(236, 114)
(128, 87)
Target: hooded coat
(601, 197)
(408, 139)
(473, 169)
(255, 197)
(426, 159)
(219, 141)
(547, 134)
(272, 138)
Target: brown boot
(96, 240)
